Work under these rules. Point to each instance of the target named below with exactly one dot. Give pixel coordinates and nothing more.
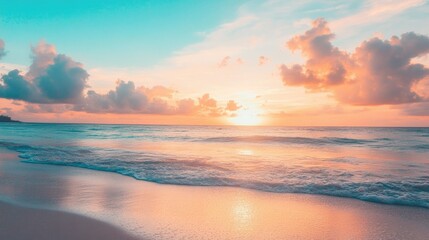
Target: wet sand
(18, 222)
(156, 211)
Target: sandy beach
(56, 202)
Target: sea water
(384, 165)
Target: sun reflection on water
(245, 152)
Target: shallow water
(386, 165)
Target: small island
(4, 118)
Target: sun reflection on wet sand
(242, 213)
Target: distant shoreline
(4, 118)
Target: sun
(246, 117)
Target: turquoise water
(384, 165)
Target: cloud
(14, 86)
(417, 109)
(374, 12)
(325, 63)
(55, 83)
(377, 72)
(47, 108)
(384, 72)
(64, 80)
(232, 106)
(229, 61)
(207, 101)
(262, 60)
(127, 98)
(2, 51)
(208, 106)
(225, 61)
(186, 107)
(158, 91)
(52, 78)
(43, 55)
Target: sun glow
(246, 117)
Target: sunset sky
(324, 63)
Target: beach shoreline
(103, 202)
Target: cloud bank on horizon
(55, 78)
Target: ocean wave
(291, 140)
(421, 146)
(389, 187)
(375, 143)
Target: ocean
(383, 165)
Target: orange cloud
(232, 106)
(378, 72)
(208, 105)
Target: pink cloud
(225, 61)
(263, 60)
(377, 72)
(43, 55)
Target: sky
(292, 63)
